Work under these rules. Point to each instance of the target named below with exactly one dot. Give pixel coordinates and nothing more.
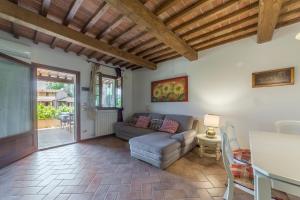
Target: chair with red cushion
(240, 175)
(240, 155)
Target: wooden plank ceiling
(142, 33)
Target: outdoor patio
(54, 136)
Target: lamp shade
(211, 120)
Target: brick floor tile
(102, 169)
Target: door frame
(17, 154)
(77, 91)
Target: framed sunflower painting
(170, 90)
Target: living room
(172, 99)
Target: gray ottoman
(157, 148)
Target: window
(108, 92)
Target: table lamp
(211, 122)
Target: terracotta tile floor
(103, 169)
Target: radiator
(104, 122)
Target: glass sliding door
(17, 131)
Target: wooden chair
(241, 180)
(288, 126)
(240, 155)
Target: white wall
(42, 54)
(220, 83)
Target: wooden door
(18, 137)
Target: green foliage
(68, 88)
(45, 112)
(50, 112)
(55, 86)
(64, 108)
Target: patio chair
(240, 175)
(64, 120)
(288, 126)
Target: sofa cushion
(126, 129)
(142, 122)
(156, 116)
(140, 114)
(157, 143)
(185, 121)
(155, 124)
(169, 126)
(185, 137)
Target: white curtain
(92, 110)
(15, 104)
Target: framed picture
(170, 90)
(277, 77)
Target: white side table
(209, 147)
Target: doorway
(17, 108)
(57, 106)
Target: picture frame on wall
(170, 90)
(277, 77)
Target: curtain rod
(101, 64)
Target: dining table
(275, 159)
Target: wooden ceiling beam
(113, 40)
(248, 20)
(241, 31)
(142, 45)
(222, 19)
(153, 49)
(113, 25)
(72, 11)
(194, 7)
(126, 65)
(239, 34)
(269, 11)
(67, 49)
(139, 14)
(200, 17)
(135, 68)
(166, 5)
(218, 43)
(35, 37)
(117, 62)
(101, 57)
(94, 19)
(209, 13)
(18, 15)
(13, 30)
(129, 66)
(79, 53)
(70, 15)
(53, 42)
(213, 35)
(92, 54)
(163, 57)
(132, 28)
(109, 60)
(167, 58)
(140, 35)
(159, 53)
(45, 7)
(44, 12)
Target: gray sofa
(159, 148)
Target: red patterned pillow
(243, 155)
(169, 126)
(242, 171)
(142, 122)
